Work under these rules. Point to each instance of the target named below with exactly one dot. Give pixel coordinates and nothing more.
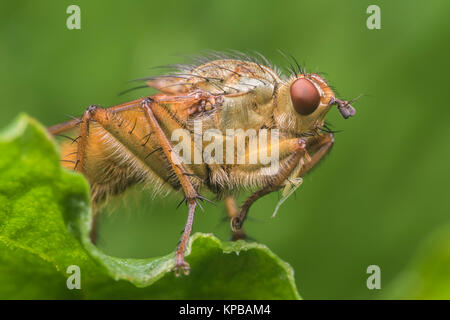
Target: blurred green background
(380, 193)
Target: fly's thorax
(231, 71)
(302, 103)
(250, 110)
(249, 88)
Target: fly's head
(303, 101)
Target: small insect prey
(210, 127)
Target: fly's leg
(317, 148)
(232, 210)
(81, 157)
(69, 125)
(83, 140)
(290, 164)
(94, 228)
(105, 118)
(190, 193)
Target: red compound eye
(305, 96)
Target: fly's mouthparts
(344, 107)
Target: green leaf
(44, 228)
(428, 274)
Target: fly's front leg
(190, 193)
(316, 149)
(298, 151)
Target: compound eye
(305, 97)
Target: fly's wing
(242, 91)
(219, 77)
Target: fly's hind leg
(83, 139)
(102, 117)
(81, 158)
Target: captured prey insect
(133, 143)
